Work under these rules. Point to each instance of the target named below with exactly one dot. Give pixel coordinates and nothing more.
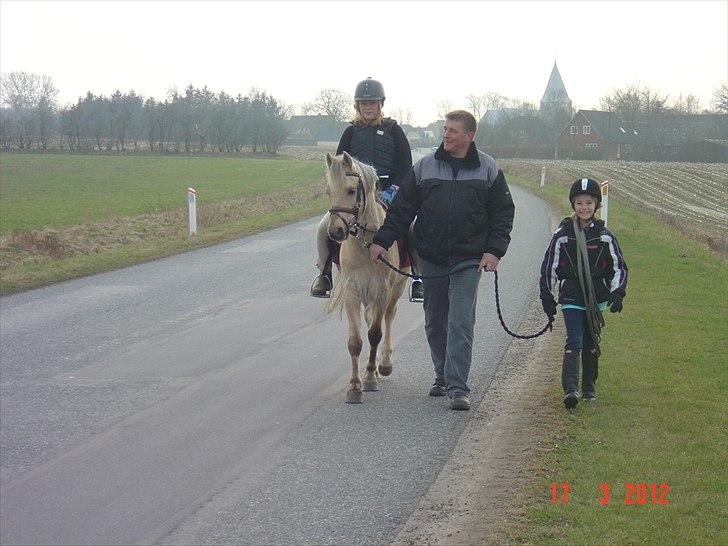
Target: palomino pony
(355, 215)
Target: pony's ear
(347, 161)
(329, 159)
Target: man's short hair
(464, 117)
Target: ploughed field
(690, 196)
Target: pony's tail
(336, 301)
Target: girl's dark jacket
(385, 147)
(606, 263)
(463, 208)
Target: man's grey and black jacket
(463, 208)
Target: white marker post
(605, 201)
(543, 176)
(192, 207)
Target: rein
(549, 324)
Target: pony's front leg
(385, 363)
(375, 336)
(353, 313)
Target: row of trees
(193, 121)
(199, 119)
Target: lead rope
(594, 317)
(549, 325)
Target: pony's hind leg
(353, 395)
(375, 336)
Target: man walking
(464, 214)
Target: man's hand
(376, 251)
(488, 263)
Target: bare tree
(402, 116)
(331, 102)
(476, 105)
(32, 98)
(443, 107)
(635, 100)
(720, 99)
(689, 104)
(45, 110)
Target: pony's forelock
(336, 173)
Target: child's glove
(615, 302)
(549, 307)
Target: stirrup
(412, 297)
(327, 293)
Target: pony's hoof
(385, 370)
(353, 397)
(369, 386)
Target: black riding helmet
(369, 89)
(585, 186)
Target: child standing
(585, 258)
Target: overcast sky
(423, 52)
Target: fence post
(192, 207)
(543, 176)
(605, 201)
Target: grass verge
(52, 191)
(661, 414)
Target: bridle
(360, 204)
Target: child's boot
(570, 377)
(589, 371)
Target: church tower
(555, 98)
(555, 104)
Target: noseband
(360, 203)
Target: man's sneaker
(460, 401)
(589, 396)
(321, 287)
(417, 291)
(571, 399)
(438, 388)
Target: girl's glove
(549, 307)
(615, 302)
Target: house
(592, 134)
(313, 130)
(670, 136)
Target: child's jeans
(578, 336)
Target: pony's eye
(351, 191)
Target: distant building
(313, 130)
(592, 134)
(526, 131)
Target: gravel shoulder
(481, 487)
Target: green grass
(662, 411)
(56, 191)
(62, 191)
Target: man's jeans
(450, 319)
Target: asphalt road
(200, 399)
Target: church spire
(555, 95)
